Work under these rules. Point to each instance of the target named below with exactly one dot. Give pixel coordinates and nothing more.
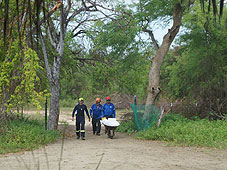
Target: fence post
(18, 108)
(46, 114)
(171, 107)
(22, 110)
(134, 99)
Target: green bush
(178, 130)
(23, 134)
(127, 127)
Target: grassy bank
(25, 134)
(177, 130)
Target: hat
(81, 99)
(108, 98)
(98, 100)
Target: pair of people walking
(97, 112)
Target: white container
(112, 122)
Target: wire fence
(144, 115)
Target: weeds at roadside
(177, 130)
(36, 163)
(25, 134)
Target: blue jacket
(109, 110)
(95, 112)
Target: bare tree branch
(62, 34)
(79, 32)
(69, 4)
(45, 57)
(82, 9)
(79, 24)
(51, 38)
(87, 59)
(152, 37)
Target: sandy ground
(122, 153)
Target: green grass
(177, 130)
(23, 134)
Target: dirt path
(122, 153)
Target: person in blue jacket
(109, 109)
(80, 119)
(96, 113)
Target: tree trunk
(55, 94)
(54, 105)
(154, 74)
(53, 73)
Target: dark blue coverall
(80, 119)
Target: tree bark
(54, 105)
(55, 92)
(154, 74)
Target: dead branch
(152, 37)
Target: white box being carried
(110, 125)
(110, 122)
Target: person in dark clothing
(80, 119)
(96, 113)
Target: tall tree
(174, 9)
(80, 14)
(151, 11)
(53, 73)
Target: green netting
(145, 120)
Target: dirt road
(122, 153)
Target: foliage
(127, 127)
(155, 9)
(113, 64)
(18, 80)
(19, 62)
(196, 68)
(25, 134)
(178, 130)
(68, 102)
